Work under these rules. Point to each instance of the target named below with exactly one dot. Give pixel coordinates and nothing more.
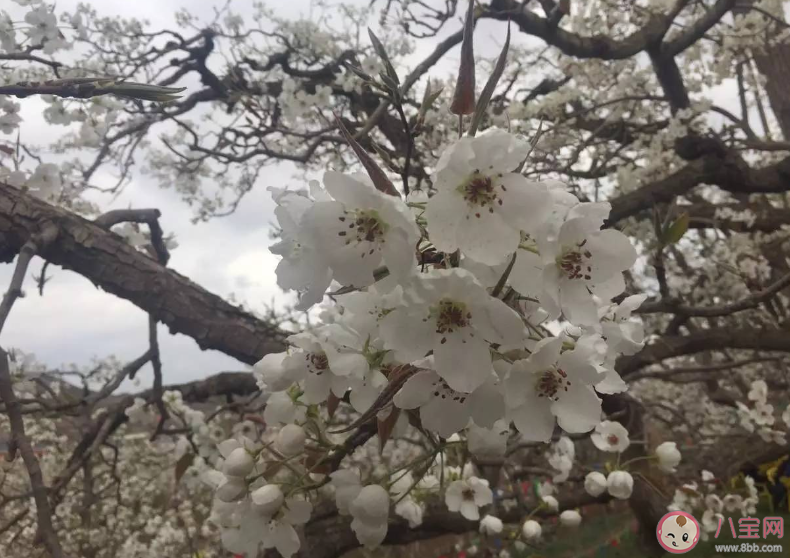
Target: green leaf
(379, 48)
(676, 230)
(488, 90)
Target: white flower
(732, 502)
(759, 391)
(347, 487)
(491, 525)
(548, 384)
(466, 496)
(361, 230)
(531, 530)
(610, 436)
(710, 520)
(763, 414)
(7, 33)
(481, 205)
(595, 484)
(786, 416)
(561, 458)
(270, 373)
(268, 522)
(137, 412)
(624, 333)
(43, 25)
(301, 268)
(410, 510)
(488, 442)
(452, 315)
(713, 502)
(668, 456)
(446, 411)
(707, 476)
(584, 261)
(551, 503)
(290, 440)
(312, 364)
(620, 484)
(370, 510)
(570, 518)
(280, 408)
(45, 181)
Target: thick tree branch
(110, 263)
(777, 340)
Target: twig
(20, 441)
(29, 249)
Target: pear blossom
(347, 485)
(595, 484)
(361, 230)
(668, 456)
(268, 522)
(548, 385)
(610, 436)
(732, 502)
(482, 205)
(451, 314)
(491, 525)
(467, 495)
(710, 520)
(620, 484)
(410, 510)
(43, 24)
(624, 333)
(584, 261)
(561, 458)
(488, 442)
(311, 365)
(281, 409)
(531, 530)
(758, 391)
(570, 518)
(446, 411)
(300, 268)
(370, 510)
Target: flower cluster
(450, 295)
(703, 500)
(759, 417)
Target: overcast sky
(74, 321)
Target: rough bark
(113, 265)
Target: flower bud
(531, 530)
(239, 463)
(268, 499)
(668, 456)
(595, 484)
(570, 518)
(490, 525)
(620, 484)
(290, 440)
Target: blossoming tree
(559, 279)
